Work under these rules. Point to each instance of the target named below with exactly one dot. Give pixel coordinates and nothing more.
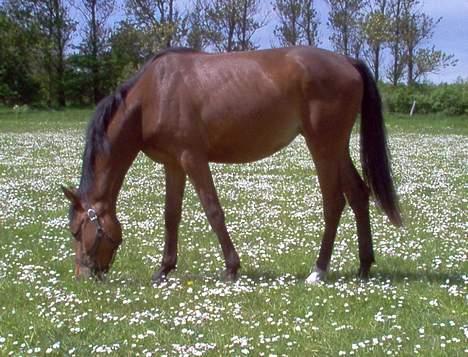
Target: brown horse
(185, 109)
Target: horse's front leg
(175, 185)
(198, 170)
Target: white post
(412, 108)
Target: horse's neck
(110, 168)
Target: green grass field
(415, 302)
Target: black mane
(96, 140)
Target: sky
(450, 36)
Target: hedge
(450, 99)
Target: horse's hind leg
(333, 204)
(357, 195)
(175, 185)
(199, 173)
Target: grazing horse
(186, 108)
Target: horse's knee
(215, 215)
(358, 197)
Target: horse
(186, 108)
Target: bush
(450, 99)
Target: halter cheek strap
(100, 234)
(93, 217)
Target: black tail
(375, 156)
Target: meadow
(414, 303)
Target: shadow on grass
(433, 277)
(378, 274)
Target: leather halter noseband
(100, 234)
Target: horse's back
(244, 106)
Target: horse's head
(97, 234)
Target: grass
(429, 124)
(32, 120)
(415, 302)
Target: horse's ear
(72, 195)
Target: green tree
(416, 28)
(430, 60)
(397, 69)
(128, 52)
(376, 31)
(94, 46)
(18, 84)
(161, 20)
(230, 24)
(79, 80)
(298, 22)
(345, 21)
(197, 33)
(57, 27)
(49, 23)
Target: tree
(376, 31)
(397, 68)
(95, 40)
(230, 24)
(127, 51)
(161, 21)
(49, 22)
(344, 19)
(197, 35)
(410, 29)
(57, 26)
(417, 27)
(430, 60)
(298, 22)
(18, 84)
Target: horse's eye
(76, 234)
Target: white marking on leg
(317, 276)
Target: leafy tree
(18, 85)
(376, 31)
(127, 51)
(344, 19)
(49, 23)
(56, 25)
(161, 20)
(416, 28)
(230, 24)
(95, 41)
(79, 80)
(197, 35)
(410, 30)
(397, 68)
(298, 22)
(430, 60)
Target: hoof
(229, 276)
(158, 278)
(316, 277)
(363, 273)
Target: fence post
(412, 108)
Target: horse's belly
(247, 143)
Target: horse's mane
(96, 139)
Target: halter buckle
(92, 215)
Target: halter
(100, 234)
(93, 217)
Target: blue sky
(451, 34)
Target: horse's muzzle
(83, 272)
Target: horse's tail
(375, 156)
